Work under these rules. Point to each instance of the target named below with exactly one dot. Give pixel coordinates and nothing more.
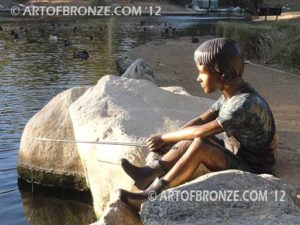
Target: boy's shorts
(233, 161)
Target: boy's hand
(155, 142)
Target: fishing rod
(91, 142)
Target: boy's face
(209, 81)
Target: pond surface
(34, 69)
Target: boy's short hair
(221, 55)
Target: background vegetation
(269, 42)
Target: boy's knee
(182, 145)
(200, 141)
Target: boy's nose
(199, 79)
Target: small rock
(118, 212)
(139, 70)
(122, 63)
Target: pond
(34, 69)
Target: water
(33, 70)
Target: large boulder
(254, 199)
(52, 163)
(124, 110)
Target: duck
(53, 38)
(67, 43)
(81, 54)
(31, 40)
(195, 40)
(1, 29)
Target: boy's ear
(226, 77)
(223, 76)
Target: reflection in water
(50, 206)
(33, 69)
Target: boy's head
(222, 57)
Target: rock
(191, 209)
(139, 70)
(122, 63)
(52, 163)
(118, 212)
(176, 90)
(124, 110)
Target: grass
(292, 4)
(269, 42)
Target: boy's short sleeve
(217, 105)
(233, 115)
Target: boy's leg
(174, 153)
(199, 151)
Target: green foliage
(254, 40)
(269, 42)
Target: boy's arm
(202, 119)
(188, 133)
